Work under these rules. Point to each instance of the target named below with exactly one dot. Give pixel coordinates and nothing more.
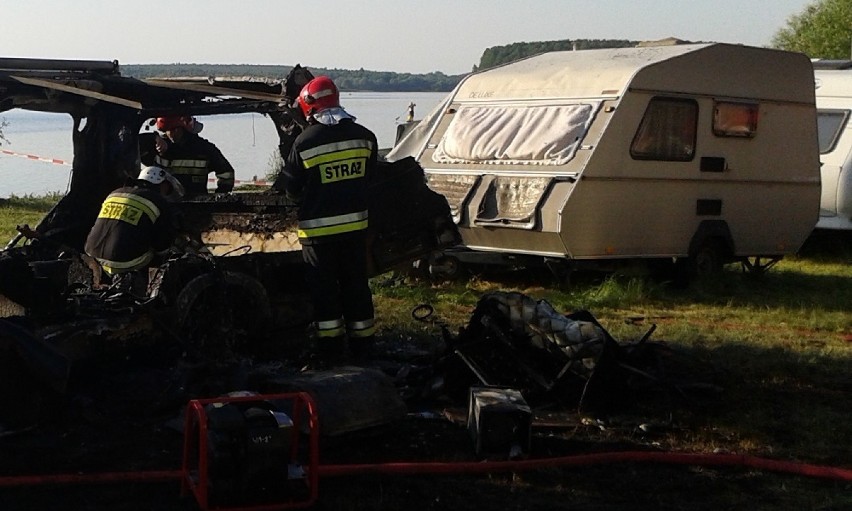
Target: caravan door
(835, 147)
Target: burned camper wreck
(244, 286)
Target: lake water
(248, 140)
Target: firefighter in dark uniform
(135, 222)
(326, 173)
(191, 158)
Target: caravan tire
(707, 259)
(446, 268)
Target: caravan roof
(687, 68)
(835, 83)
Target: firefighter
(134, 224)
(326, 173)
(189, 157)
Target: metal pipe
(58, 64)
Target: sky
(404, 36)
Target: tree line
(499, 55)
(376, 81)
(346, 79)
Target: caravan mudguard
(712, 230)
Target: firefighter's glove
(160, 143)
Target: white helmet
(154, 175)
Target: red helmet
(174, 121)
(318, 94)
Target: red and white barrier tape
(54, 161)
(256, 182)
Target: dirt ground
(124, 417)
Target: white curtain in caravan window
(537, 135)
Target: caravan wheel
(446, 267)
(708, 259)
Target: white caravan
(834, 102)
(700, 154)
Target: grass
(779, 344)
(26, 209)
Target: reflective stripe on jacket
(113, 267)
(186, 167)
(333, 225)
(191, 160)
(328, 171)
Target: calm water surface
(248, 140)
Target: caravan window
(830, 124)
(667, 131)
(735, 119)
(527, 135)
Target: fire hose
(201, 443)
(477, 467)
(705, 460)
(154, 476)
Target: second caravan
(698, 154)
(833, 80)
